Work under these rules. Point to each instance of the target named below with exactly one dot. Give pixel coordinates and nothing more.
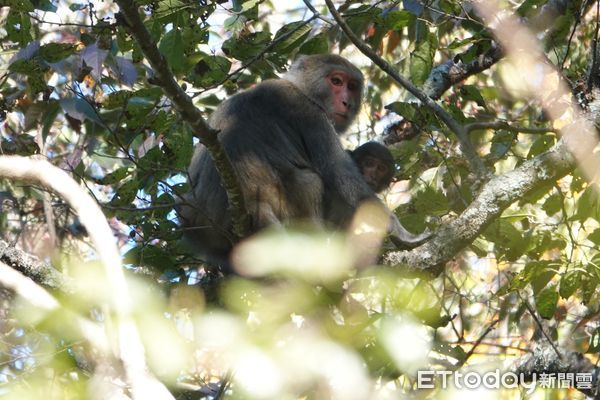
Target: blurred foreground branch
(129, 348)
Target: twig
(539, 324)
(260, 54)
(316, 13)
(477, 343)
(507, 127)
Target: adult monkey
(282, 140)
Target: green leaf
(80, 109)
(362, 17)
(126, 194)
(54, 52)
(404, 109)
(36, 81)
(553, 204)
(151, 256)
(18, 24)
(77, 6)
(180, 144)
(430, 201)
(588, 205)
(246, 46)
(171, 46)
(18, 5)
(25, 67)
(117, 99)
(536, 273)
(116, 176)
(301, 30)
(460, 43)
(588, 287)
(595, 236)
(507, 238)
(546, 302)
(501, 143)
(315, 45)
(569, 284)
(396, 20)
(456, 352)
(209, 70)
(249, 4)
(529, 5)
(541, 145)
(52, 110)
(472, 93)
(421, 60)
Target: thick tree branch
(463, 138)
(544, 359)
(495, 196)
(30, 266)
(190, 113)
(453, 71)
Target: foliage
(75, 88)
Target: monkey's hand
(402, 238)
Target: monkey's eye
(370, 162)
(336, 80)
(353, 86)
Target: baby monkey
(376, 164)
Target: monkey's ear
(296, 73)
(299, 63)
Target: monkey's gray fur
(282, 141)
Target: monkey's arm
(403, 238)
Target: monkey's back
(261, 130)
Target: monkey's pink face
(346, 94)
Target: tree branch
(495, 196)
(544, 359)
(497, 125)
(30, 266)
(129, 346)
(453, 71)
(190, 113)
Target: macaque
(281, 137)
(376, 164)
